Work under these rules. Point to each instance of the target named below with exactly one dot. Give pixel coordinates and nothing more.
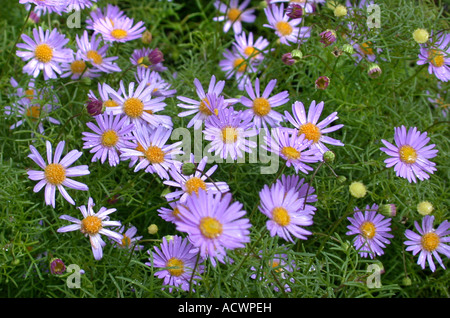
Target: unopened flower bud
(340, 11)
(94, 107)
(169, 238)
(288, 59)
(329, 156)
(152, 229)
(425, 208)
(188, 168)
(374, 71)
(294, 11)
(341, 179)
(156, 56)
(389, 210)
(322, 82)
(406, 281)
(348, 48)
(332, 4)
(146, 37)
(57, 266)
(297, 54)
(357, 189)
(328, 37)
(421, 36)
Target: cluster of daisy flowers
(129, 125)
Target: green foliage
(327, 265)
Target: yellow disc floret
(133, 107)
(95, 57)
(55, 173)
(78, 66)
(284, 28)
(34, 112)
(430, 241)
(91, 225)
(436, 57)
(109, 138)
(119, 34)
(203, 108)
(154, 154)
(240, 64)
(229, 135)
(291, 153)
(261, 106)
(408, 154)
(368, 229)
(43, 53)
(193, 184)
(175, 266)
(281, 216)
(210, 227)
(234, 14)
(311, 131)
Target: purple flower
(57, 173)
(294, 11)
(284, 208)
(300, 187)
(94, 106)
(49, 6)
(45, 52)
(436, 55)
(129, 239)
(92, 225)
(234, 14)
(176, 260)
(429, 242)
(261, 105)
(254, 50)
(148, 59)
(328, 37)
(190, 184)
(292, 148)
(288, 59)
(228, 133)
(119, 30)
(110, 134)
(214, 224)
(312, 130)
(57, 266)
(234, 64)
(154, 79)
(371, 230)
(410, 155)
(154, 155)
(322, 82)
(110, 12)
(78, 5)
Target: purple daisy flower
(261, 106)
(45, 52)
(170, 215)
(177, 260)
(202, 108)
(214, 224)
(57, 173)
(76, 67)
(119, 30)
(93, 225)
(293, 148)
(110, 12)
(285, 28)
(154, 79)
(155, 155)
(300, 187)
(78, 5)
(439, 101)
(410, 155)
(429, 242)
(129, 239)
(312, 130)
(437, 55)
(91, 51)
(371, 230)
(138, 105)
(189, 184)
(235, 64)
(250, 49)
(47, 6)
(234, 14)
(285, 212)
(229, 132)
(110, 134)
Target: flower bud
(389, 210)
(152, 229)
(155, 57)
(406, 281)
(146, 37)
(322, 82)
(340, 11)
(329, 156)
(57, 266)
(94, 107)
(374, 71)
(425, 208)
(328, 37)
(348, 48)
(188, 168)
(421, 36)
(297, 54)
(288, 59)
(341, 179)
(357, 189)
(294, 11)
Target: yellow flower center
(229, 135)
(119, 34)
(291, 153)
(281, 216)
(240, 64)
(126, 241)
(175, 266)
(55, 173)
(366, 48)
(408, 154)
(436, 57)
(95, 57)
(110, 103)
(203, 108)
(154, 154)
(311, 131)
(43, 53)
(34, 112)
(193, 184)
(284, 28)
(251, 52)
(210, 227)
(367, 229)
(29, 93)
(234, 14)
(91, 225)
(140, 60)
(133, 107)
(261, 106)
(110, 138)
(78, 66)
(430, 241)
